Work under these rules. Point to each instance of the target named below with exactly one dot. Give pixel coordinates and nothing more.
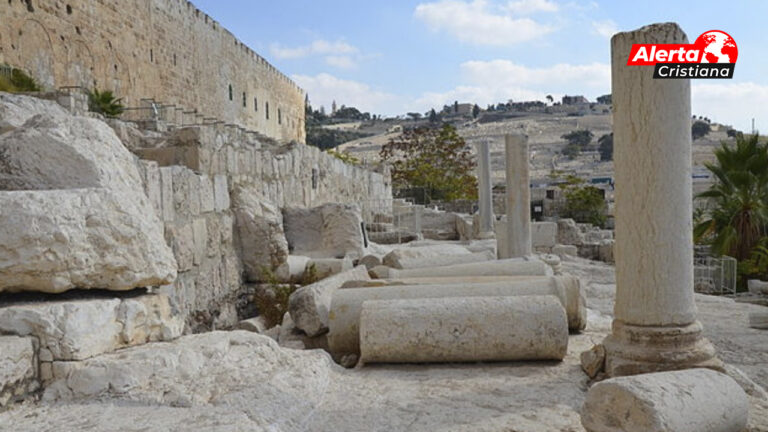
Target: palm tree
(105, 103)
(738, 201)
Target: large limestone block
(456, 329)
(693, 400)
(18, 368)
(15, 110)
(544, 234)
(568, 233)
(757, 286)
(394, 258)
(259, 226)
(273, 388)
(344, 317)
(327, 231)
(53, 241)
(309, 305)
(79, 329)
(105, 234)
(507, 267)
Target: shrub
(18, 82)
(585, 204)
(272, 302)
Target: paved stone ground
(318, 396)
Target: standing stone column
(654, 326)
(518, 197)
(485, 194)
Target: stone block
(327, 231)
(79, 329)
(544, 234)
(262, 241)
(692, 400)
(309, 305)
(166, 194)
(207, 202)
(18, 368)
(458, 329)
(200, 235)
(220, 193)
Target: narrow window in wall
(30, 8)
(279, 116)
(69, 10)
(230, 92)
(245, 104)
(255, 104)
(174, 59)
(151, 55)
(266, 109)
(314, 178)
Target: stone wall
(188, 179)
(166, 50)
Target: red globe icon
(717, 47)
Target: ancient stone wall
(166, 50)
(189, 180)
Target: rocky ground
(241, 381)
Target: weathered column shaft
(518, 197)
(485, 194)
(654, 244)
(456, 329)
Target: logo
(712, 55)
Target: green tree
(581, 138)
(737, 203)
(104, 103)
(433, 116)
(699, 129)
(437, 160)
(605, 147)
(475, 111)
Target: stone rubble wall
(188, 179)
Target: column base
(632, 350)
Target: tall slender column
(518, 197)
(485, 194)
(654, 326)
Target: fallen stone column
(344, 315)
(456, 329)
(693, 400)
(510, 267)
(446, 260)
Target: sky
(393, 57)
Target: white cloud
(481, 23)
(496, 81)
(341, 62)
(318, 47)
(605, 28)
(337, 54)
(732, 103)
(525, 7)
(324, 88)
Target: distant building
(574, 100)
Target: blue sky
(391, 57)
